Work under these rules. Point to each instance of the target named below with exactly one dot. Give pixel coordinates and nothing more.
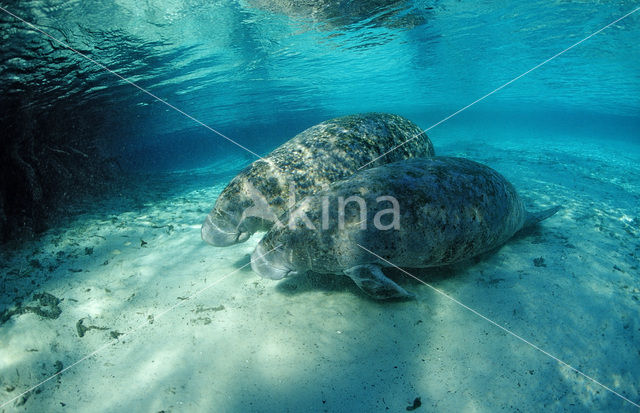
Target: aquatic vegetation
(43, 304)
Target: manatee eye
(242, 232)
(242, 236)
(241, 228)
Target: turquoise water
(262, 74)
(204, 333)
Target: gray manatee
(328, 152)
(448, 210)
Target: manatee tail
(535, 217)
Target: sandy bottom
(157, 320)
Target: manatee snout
(270, 264)
(220, 233)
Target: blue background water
(259, 72)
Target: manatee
(448, 210)
(328, 152)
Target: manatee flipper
(535, 217)
(372, 281)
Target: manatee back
(325, 153)
(335, 149)
(459, 209)
(450, 209)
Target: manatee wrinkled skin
(325, 153)
(450, 209)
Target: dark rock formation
(48, 158)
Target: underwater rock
(22, 399)
(417, 402)
(3, 217)
(201, 320)
(58, 366)
(325, 153)
(81, 329)
(539, 262)
(115, 334)
(448, 210)
(202, 309)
